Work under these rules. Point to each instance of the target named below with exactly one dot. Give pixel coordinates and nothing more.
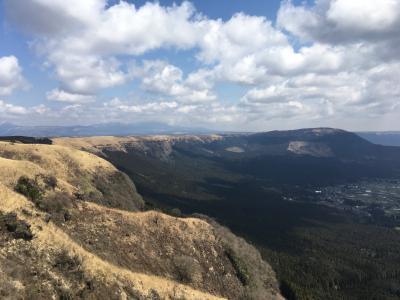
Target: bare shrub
(7, 288)
(29, 188)
(69, 263)
(51, 181)
(175, 212)
(187, 269)
(19, 229)
(256, 276)
(55, 203)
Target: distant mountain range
(386, 138)
(118, 129)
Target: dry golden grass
(50, 237)
(75, 170)
(95, 144)
(62, 162)
(54, 157)
(11, 201)
(194, 228)
(31, 160)
(98, 143)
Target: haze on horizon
(233, 65)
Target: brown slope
(103, 253)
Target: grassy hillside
(71, 228)
(77, 172)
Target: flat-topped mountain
(325, 142)
(316, 142)
(317, 155)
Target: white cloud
(12, 109)
(265, 105)
(364, 16)
(53, 17)
(334, 21)
(83, 52)
(124, 29)
(167, 80)
(327, 59)
(41, 109)
(240, 36)
(63, 96)
(149, 107)
(374, 91)
(86, 74)
(81, 39)
(152, 107)
(10, 75)
(202, 114)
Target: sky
(242, 65)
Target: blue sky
(237, 65)
(224, 9)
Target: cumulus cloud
(240, 36)
(63, 96)
(328, 58)
(335, 21)
(53, 17)
(86, 74)
(12, 109)
(84, 46)
(10, 75)
(168, 80)
(202, 114)
(375, 91)
(40, 109)
(150, 107)
(81, 39)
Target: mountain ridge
(317, 142)
(386, 138)
(119, 129)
